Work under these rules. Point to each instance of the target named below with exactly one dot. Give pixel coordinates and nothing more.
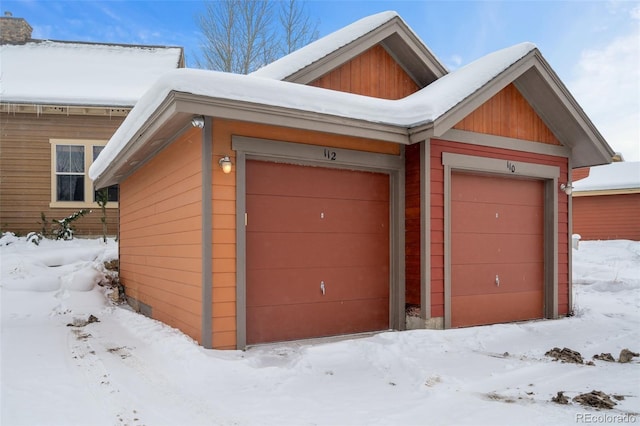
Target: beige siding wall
(25, 169)
(161, 234)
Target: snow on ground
(127, 369)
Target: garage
(497, 249)
(317, 251)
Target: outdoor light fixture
(225, 164)
(567, 188)
(197, 121)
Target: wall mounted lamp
(567, 188)
(197, 121)
(225, 164)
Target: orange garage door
(497, 261)
(317, 252)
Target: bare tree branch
(297, 26)
(241, 36)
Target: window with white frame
(70, 183)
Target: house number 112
(330, 155)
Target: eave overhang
(397, 39)
(531, 74)
(551, 100)
(173, 116)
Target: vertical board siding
(581, 173)
(508, 114)
(607, 217)
(25, 170)
(412, 224)
(372, 73)
(161, 234)
(437, 215)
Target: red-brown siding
(437, 215)
(577, 174)
(372, 73)
(508, 114)
(412, 224)
(607, 217)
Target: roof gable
(539, 85)
(330, 52)
(88, 74)
(169, 105)
(508, 114)
(372, 73)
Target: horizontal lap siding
(372, 73)
(25, 170)
(437, 215)
(224, 209)
(607, 217)
(161, 235)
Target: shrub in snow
(65, 228)
(8, 238)
(102, 197)
(34, 237)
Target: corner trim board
(207, 238)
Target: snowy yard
(127, 369)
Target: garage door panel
(308, 225)
(281, 323)
(311, 250)
(277, 179)
(499, 190)
(497, 229)
(305, 214)
(481, 279)
(486, 248)
(294, 286)
(509, 307)
(493, 218)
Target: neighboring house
(362, 178)
(60, 102)
(606, 202)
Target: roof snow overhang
(165, 112)
(173, 117)
(75, 75)
(548, 96)
(387, 29)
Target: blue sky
(594, 46)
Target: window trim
(88, 145)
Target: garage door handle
(498, 281)
(322, 287)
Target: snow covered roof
(615, 176)
(424, 106)
(72, 73)
(285, 67)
